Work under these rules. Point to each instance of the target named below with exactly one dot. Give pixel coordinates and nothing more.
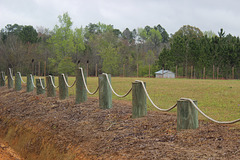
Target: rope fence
(109, 83)
(64, 78)
(31, 77)
(41, 84)
(185, 106)
(211, 119)
(10, 73)
(85, 85)
(160, 109)
(3, 77)
(53, 82)
(21, 77)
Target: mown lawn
(220, 99)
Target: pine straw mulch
(95, 133)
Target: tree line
(206, 54)
(109, 50)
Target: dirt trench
(37, 127)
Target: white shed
(165, 74)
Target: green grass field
(220, 99)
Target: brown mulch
(112, 133)
(7, 153)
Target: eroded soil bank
(38, 127)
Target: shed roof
(163, 72)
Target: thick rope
(20, 77)
(32, 81)
(10, 72)
(41, 83)
(220, 122)
(163, 110)
(121, 96)
(66, 81)
(85, 85)
(190, 100)
(53, 82)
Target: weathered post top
(187, 115)
(139, 100)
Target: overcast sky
(171, 14)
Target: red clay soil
(88, 132)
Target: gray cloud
(171, 14)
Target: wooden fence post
(10, 80)
(39, 69)
(32, 66)
(81, 92)
(204, 73)
(45, 68)
(176, 71)
(137, 70)
(105, 92)
(96, 70)
(139, 100)
(213, 71)
(30, 86)
(191, 72)
(51, 91)
(123, 70)
(40, 90)
(163, 72)
(63, 89)
(187, 115)
(18, 84)
(87, 68)
(2, 79)
(149, 71)
(232, 72)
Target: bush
(66, 66)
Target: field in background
(220, 99)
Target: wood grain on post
(81, 92)
(40, 90)
(51, 91)
(105, 92)
(139, 100)
(18, 84)
(187, 115)
(10, 80)
(30, 86)
(63, 89)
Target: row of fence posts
(187, 115)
